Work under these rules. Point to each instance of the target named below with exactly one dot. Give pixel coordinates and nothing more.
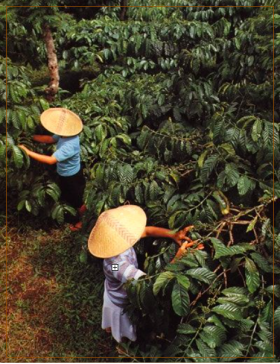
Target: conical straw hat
(116, 230)
(61, 121)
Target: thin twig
(251, 338)
(219, 266)
(200, 294)
(231, 240)
(194, 136)
(225, 277)
(220, 229)
(187, 172)
(195, 207)
(239, 271)
(256, 236)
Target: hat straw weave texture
(117, 230)
(61, 121)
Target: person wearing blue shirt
(66, 126)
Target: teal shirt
(68, 155)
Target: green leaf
(215, 320)
(104, 147)
(277, 322)
(180, 300)
(250, 61)
(228, 148)
(153, 190)
(44, 104)
(237, 43)
(208, 167)
(116, 194)
(99, 174)
(41, 194)
(100, 132)
(55, 210)
(232, 174)
(28, 206)
(202, 274)
(266, 227)
(83, 257)
(200, 256)
(60, 214)
(267, 313)
(245, 120)
(186, 329)
(235, 291)
(213, 336)
(252, 224)
(246, 324)
(147, 298)
(87, 131)
(189, 261)
(238, 299)
(183, 281)
(53, 194)
(125, 173)
(201, 159)
(204, 350)
(20, 205)
(71, 210)
(124, 138)
(228, 310)
(139, 194)
(252, 275)
(243, 185)
(256, 130)
(274, 290)
(53, 190)
(17, 156)
(223, 251)
(262, 262)
(162, 280)
(231, 350)
(143, 138)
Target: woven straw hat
(61, 121)
(116, 230)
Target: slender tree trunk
(52, 88)
(123, 9)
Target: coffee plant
(179, 119)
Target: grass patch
(54, 300)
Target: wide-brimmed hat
(61, 121)
(116, 230)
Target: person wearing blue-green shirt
(66, 126)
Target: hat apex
(116, 230)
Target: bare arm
(39, 157)
(180, 237)
(158, 232)
(48, 139)
(183, 249)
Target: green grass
(54, 300)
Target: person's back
(68, 155)
(117, 271)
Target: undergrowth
(54, 300)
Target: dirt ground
(51, 310)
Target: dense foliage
(178, 120)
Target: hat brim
(117, 230)
(61, 121)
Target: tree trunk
(123, 9)
(52, 88)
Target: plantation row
(177, 106)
